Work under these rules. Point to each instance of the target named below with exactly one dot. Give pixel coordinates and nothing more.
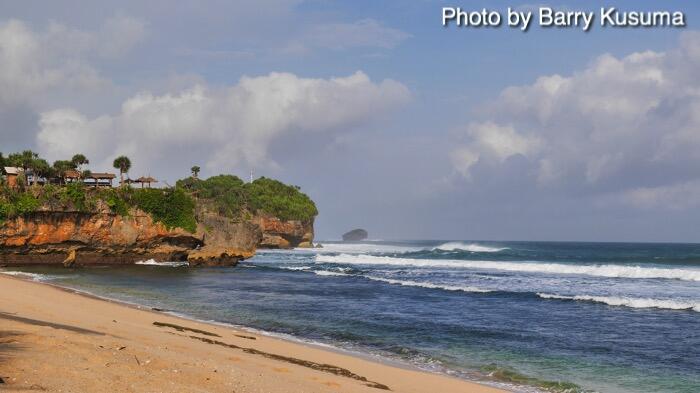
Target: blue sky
(444, 132)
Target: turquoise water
(560, 316)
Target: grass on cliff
(172, 206)
(233, 197)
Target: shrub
(233, 198)
(116, 202)
(25, 203)
(173, 207)
(281, 200)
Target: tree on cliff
(79, 160)
(61, 166)
(195, 171)
(42, 169)
(123, 163)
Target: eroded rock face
(103, 238)
(284, 234)
(75, 238)
(225, 241)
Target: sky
(388, 120)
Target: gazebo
(145, 180)
(100, 179)
(71, 176)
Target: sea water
(530, 316)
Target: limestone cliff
(224, 241)
(78, 238)
(277, 233)
(103, 238)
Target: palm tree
(61, 166)
(79, 160)
(195, 171)
(123, 163)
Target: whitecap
(295, 268)
(152, 262)
(471, 247)
(629, 302)
(611, 271)
(329, 273)
(409, 283)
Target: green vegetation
(123, 163)
(171, 206)
(236, 199)
(174, 206)
(280, 200)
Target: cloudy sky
(388, 120)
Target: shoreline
(301, 364)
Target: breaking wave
(629, 302)
(471, 247)
(32, 276)
(611, 271)
(152, 262)
(329, 273)
(408, 283)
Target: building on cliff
(11, 175)
(95, 179)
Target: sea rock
(355, 235)
(70, 259)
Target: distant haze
(387, 120)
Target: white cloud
(490, 140)
(620, 124)
(35, 63)
(230, 125)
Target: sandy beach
(52, 339)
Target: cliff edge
(199, 222)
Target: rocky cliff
(277, 233)
(217, 221)
(105, 238)
(76, 238)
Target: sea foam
(409, 283)
(406, 283)
(470, 247)
(612, 271)
(629, 302)
(152, 262)
(33, 276)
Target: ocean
(529, 316)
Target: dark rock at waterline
(355, 235)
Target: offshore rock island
(61, 215)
